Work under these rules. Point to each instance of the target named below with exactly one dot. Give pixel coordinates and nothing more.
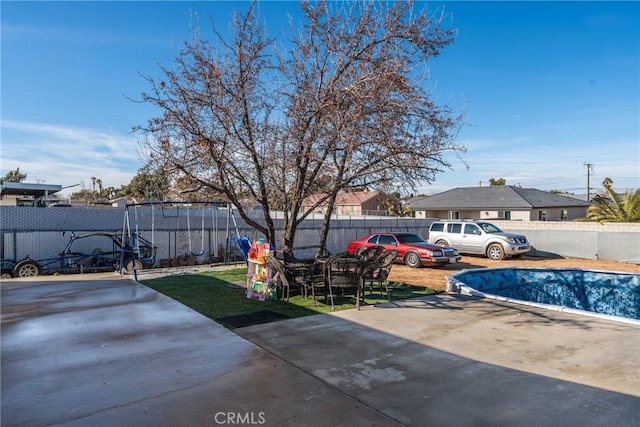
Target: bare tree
(342, 104)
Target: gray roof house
(499, 202)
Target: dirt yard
(435, 278)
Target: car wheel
(412, 259)
(442, 243)
(7, 275)
(495, 252)
(27, 269)
(129, 265)
(359, 251)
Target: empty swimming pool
(602, 293)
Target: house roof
(344, 199)
(416, 200)
(356, 198)
(495, 197)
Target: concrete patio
(104, 350)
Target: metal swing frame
(169, 209)
(191, 252)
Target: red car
(412, 249)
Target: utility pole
(589, 168)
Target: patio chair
(280, 276)
(344, 273)
(286, 279)
(378, 271)
(371, 253)
(313, 278)
(304, 274)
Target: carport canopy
(22, 189)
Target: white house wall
(500, 214)
(552, 214)
(519, 215)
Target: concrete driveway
(105, 350)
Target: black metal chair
(280, 276)
(297, 275)
(344, 273)
(313, 279)
(304, 274)
(378, 271)
(371, 253)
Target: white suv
(478, 237)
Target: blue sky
(547, 87)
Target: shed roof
(496, 197)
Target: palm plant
(614, 207)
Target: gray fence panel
(60, 219)
(38, 232)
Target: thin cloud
(68, 155)
(546, 165)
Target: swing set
(171, 226)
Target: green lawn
(220, 296)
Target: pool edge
(455, 286)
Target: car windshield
(489, 228)
(409, 238)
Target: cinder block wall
(590, 240)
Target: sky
(547, 88)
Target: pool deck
(104, 350)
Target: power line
(555, 182)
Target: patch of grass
(220, 295)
